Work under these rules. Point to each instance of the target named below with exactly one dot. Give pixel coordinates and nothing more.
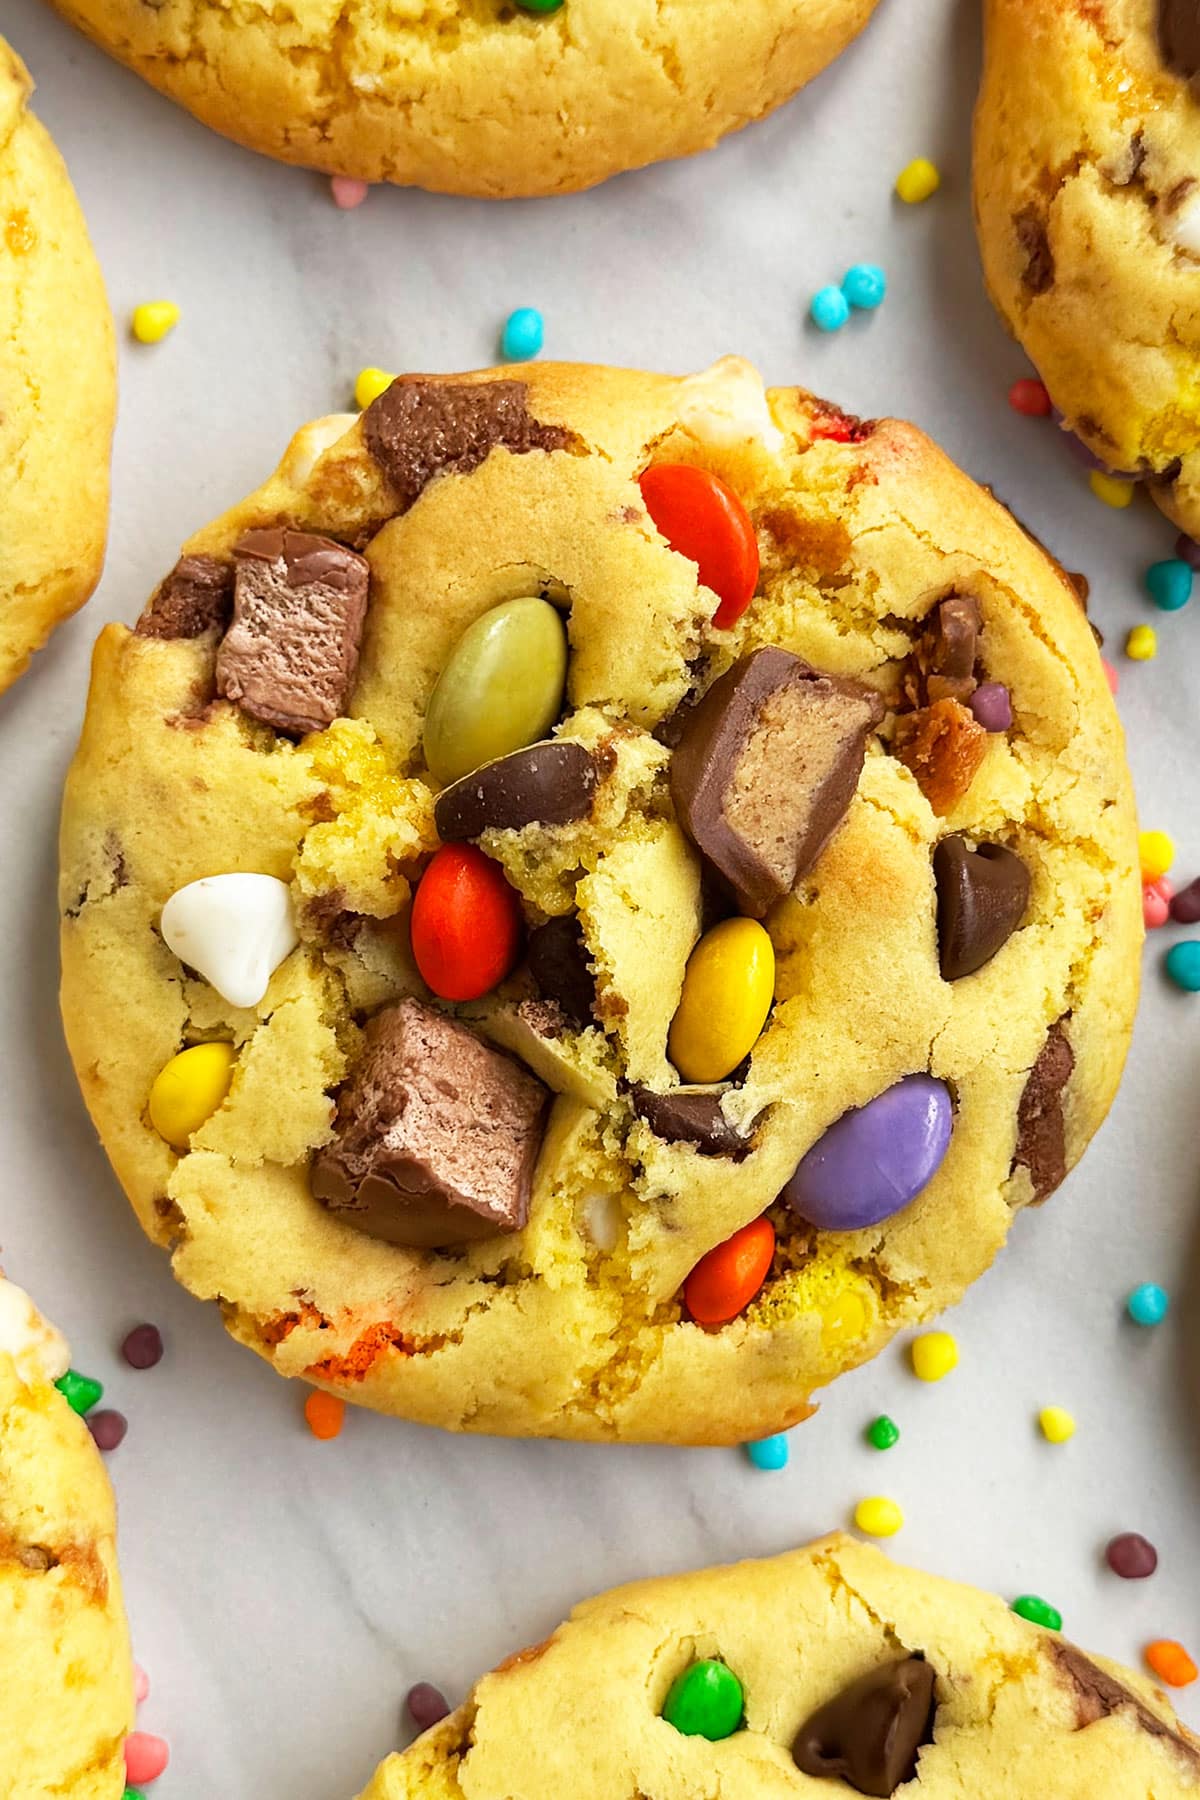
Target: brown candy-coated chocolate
(438, 1135)
(767, 766)
(545, 784)
(417, 428)
(982, 895)
(558, 962)
(1179, 36)
(943, 745)
(290, 655)
(1041, 1128)
(684, 1116)
(197, 596)
(870, 1733)
(1098, 1695)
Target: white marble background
(285, 1593)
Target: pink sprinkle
(347, 192)
(146, 1756)
(1110, 675)
(141, 1683)
(1156, 903)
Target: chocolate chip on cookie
(942, 665)
(1037, 276)
(1179, 36)
(546, 784)
(1041, 1128)
(690, 1116)
(417, 428)
(197, 596)
(869, 1734)
(982, 895)
(558, 962)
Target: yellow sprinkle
(153, 319)
(1142, 643)
(878, 1517)
(934, 1354)
(918, 181)
(1156, 853)
(1110, 488)
(370, 384)
(188, 1090)
(1057, 1424)
(843, 1320)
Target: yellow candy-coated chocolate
(153, 319)
(189, 1089)
(1110, 488)
(934, 1354)
(843, 1320)
(1156, 853)
(918, 181)
(728, 987)
(878, 1516)
(1057, 1424)
(370, 384)
(1142, 643)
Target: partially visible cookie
(65, 1670)
(57, 386)
(1087, 196)
(829, 1671)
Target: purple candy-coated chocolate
(1185, 905)
(1131, 1556)
(1187, 550)
(875, 1159)
(143, 1347)
(991, 706)
(426, 1705)
(107, 1427)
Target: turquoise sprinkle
(1148, 1304)
(523, 335)
(1169, 583)
(1183, 965)
(769, 1452)
(829, 309)
(865, 286)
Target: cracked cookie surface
(898, 583)
(57, 386)
(1016, 1710)
(475, 96)
(1087, 146)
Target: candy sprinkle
(347, 192)
(523, 335)
(829, 309)
(1156, 903)
(1185, 905)
(1110, 488)
(769, 1453)
(1169, 583)
(1038, 1611)
(1057, 1424)
(878, 1516)
(153, 319)
(1171, 1662)
(426, 1705)
(1029, 397)
(1141, 645)
(132, 1794)
(882, 1433)
(369, 384)
(142, 1347)
(917, 181)
(146, 1756)
(1182, 964)
(141, 1684)
(1131, 1556)
(934, 1354)
(108, 1428)
(80, 1392)
(865, 286)
(1156, 853)
(1111, 676)
(1148, 1304)
(326, 1414)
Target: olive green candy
(501, 689)
(705, 1701)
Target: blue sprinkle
(1169, 583)
(769, 1452)
(1183, 965)
(523, 335)
(1148, 1304)
(829, 309)
(864, 286)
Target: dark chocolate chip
(1098, 1695)
(982, 895)
(1038, 273)
(1179, 36)
(766, 768)
(683, 1117)
(197, 596)
(418, 427)
(1041, 1128)
(546, 784)
(869, 1734)
(558, 962)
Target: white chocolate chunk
(235, 930)
(726, 405)
(602, 1219)
(40, 1352)
(310, 444)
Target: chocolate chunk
(419, 427)
(1179, 37)
(1099, 1695)
(558, 962)
(981, 899)
(194, 598)
(943, 745)
(689, 1116)
(33, 1556)
(299, 603)
(437, 1138)
(1041, 1130)
(943, 659)
(1038, 274)
(547, 784)
(870, 1733)
(767, 765)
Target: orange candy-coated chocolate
(724, 1282)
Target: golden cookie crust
(581, 1711)
(476, 96)
(57, 386)
(575, 1327)
(1085, 159)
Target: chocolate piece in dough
(766, 768)
(943, 658)
(982, 895)
(290, 655)
(196, 596)
(558, 962)
(1038, 274)
(438, 1135)
(690, 1116)
(1099, 1694)
(870, 1733)
(1179, 36)
(418, 427)
(545, 784)
(1041, 1129)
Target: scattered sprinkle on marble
(426, 1705)
(882, 1433)
(142, 1347)
(523, 335)
(877, 1516)
(1171, 1662)
(1029, 396)
(146, 1756)
(1141, 645)
(347, 192)
(1148, 1304)
(1156, 853)
(1156, 903)
(108, 1427)
(1131, 1556)
(81, 1392)
(1057, 1424)
(141, 1683)
(917, 181)
(934, 1354)
(325, 1414)
(769, 1453)
(1182, 964)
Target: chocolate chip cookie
(560, 935)
(1087, 149)
(57, 386)
(481, 97)
(829, 1671)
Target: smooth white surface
(285, 1593)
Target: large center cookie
(591, 899)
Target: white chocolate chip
(235, 930)
(310, 444)
(1184, 226)
(40, 1352)
(726, 405)
(602, 1219)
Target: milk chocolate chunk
(1098, 1695)
(943, 660)
(558, 962)
(1179, 37)
(438, 1135)
(1041, 1128)
(546, 784)
(766, 768)
(869, 1734)
(1032, 239)
(418, 427)
(982, 895)
(290, 655)
(689, 1116)
(194, 598)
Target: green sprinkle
(79, 1391)
(883, 1432)
(133, 1794)
(705, 1701)
(1038, 1612)
(539, 6)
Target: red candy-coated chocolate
(724, 1282)
(146, 1756)
(1029, 396)
(703, 519)
(466, 924)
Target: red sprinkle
(1029, 396)
(426, 1705)
(143, 1347)
(1110, 675)
(146, 1756)
(1131, 1556)
(107, 1427)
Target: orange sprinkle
(326, 1414)
(363, 1353)
(1171, 1662)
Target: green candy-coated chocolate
(883, 1432)
(80, 1392)
(501, 689)
(539, 6)
(1038, 1612)
(705, 1701)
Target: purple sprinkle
(426, 1705)
(107, 1427)
(143, 1347)
(1187, 550)
(1131, 1556)
(991, 706)
(1185, 905)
